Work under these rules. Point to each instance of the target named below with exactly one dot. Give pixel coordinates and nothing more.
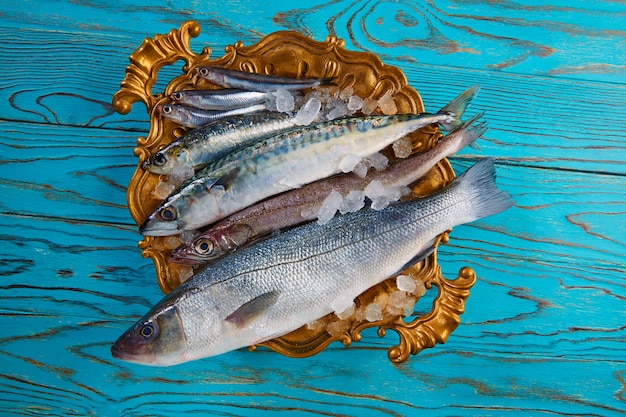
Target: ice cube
(346, 93)
(162, 190)
(360, 169)
(355, 103)
(341, 303)
(184, 273)
(405, 283)
(378, 161)
(402, 147)
(329, 207)
(337, 328)
(339, 110)
(397, 299)
(375, 189)
(354, 201)
(316, 325)
(172, 242)
(349, 162)
(369, 106)
(285, 101)
(346, 313)
(307, 113)
(409, 306)
(387, 105)
(373, 312)
(420, 288)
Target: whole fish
(224, 99)
(193, 117)
(284, 162)
(256, 82)
(278, 285)
(303, 204)
(205, 144)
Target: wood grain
(544, 329)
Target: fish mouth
(156, 228)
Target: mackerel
(278, 285)
(206, 144)
(303, 204)
(284, 162)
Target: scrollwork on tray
(295, 55)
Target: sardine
(256, 82)
(193, 117)
(303, 204)
(206, 144)
(224, 99)
(284, 162)
(279, 284)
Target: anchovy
(281, 163)
(224, 99)
(303, 204)
(269, 289)
(193, 117)
(203, 145)
(256, 82)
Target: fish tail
(458, 106)
(469, 132)
(478, 188)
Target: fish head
(190, 207)
(213, 244)
(164, 161)
(207, 74)
(157, 339)
(174, 112)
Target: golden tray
(294, 55)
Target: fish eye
(147, 330)
(203, 71)
(168, 213)
(167, 109)
(204, 246)
(177, 96)
(159, 159)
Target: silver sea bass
(284, 162)
(274, 287)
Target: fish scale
(290, 279)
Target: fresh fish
(205, 144)
(256, 82)
(303, 204)
(278, 285)
(193, 117)
(224, 99)
(281, 163)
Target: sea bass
(278, 285)
(203, 145)
(193, 117)
(303, 204)
(284, 162)
(224, 99)
(256, 82)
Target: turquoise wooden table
(544, 330)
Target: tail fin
(466, 134)
(480, 191)
(458, 106)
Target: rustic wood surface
(545, 328)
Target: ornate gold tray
(294, 55)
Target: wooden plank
(63, 325)
(565, 39)
(63, 171)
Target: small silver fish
(224, 99)
(193, 117)
(256, 82)
(284, 162)
(208, 143)
(303, 204)
(279, 284)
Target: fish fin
(225, 180)
(249, 311)
(469, 132)
(327, 81)
(458, 106)
(421, 255)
